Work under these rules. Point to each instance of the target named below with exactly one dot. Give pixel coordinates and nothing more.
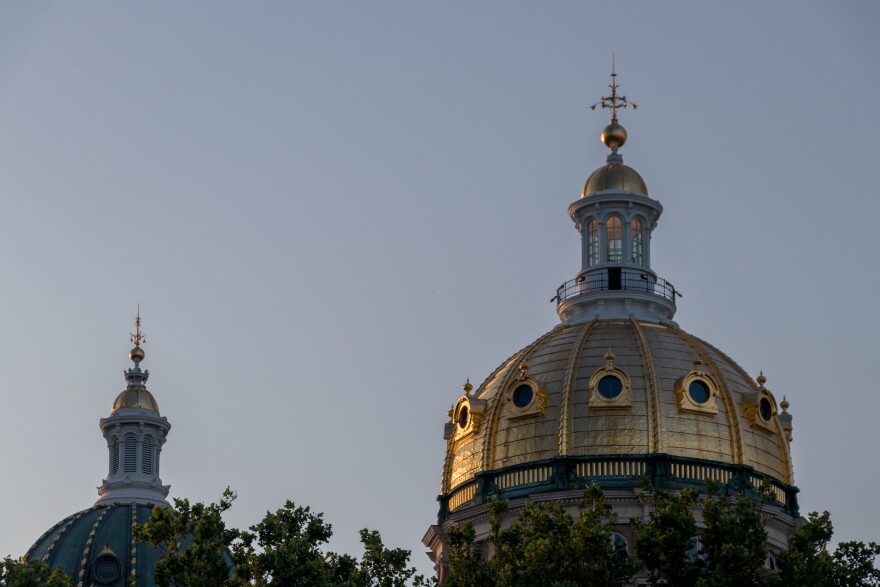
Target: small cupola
(615, 218)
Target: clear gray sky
(333, 213)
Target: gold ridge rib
(563, 443)
(655, 440)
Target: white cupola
(135, 433)
(615, 217)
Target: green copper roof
(95, 546)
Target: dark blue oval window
(610, 386)
(106, 569)
(699, 391)
(463, 416)
(765, 408)
(522, 395)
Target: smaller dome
(136, 396)
(614, 175)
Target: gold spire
(137, 353)
(614, 135)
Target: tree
(32, 573)
(665, 541)
(543, 546)
(193, 542)
(807, 563)
(284, 549)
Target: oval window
(522, 395)
(765, 408)
(106, 569)
(699, 391)
(610, 387)
(463, 416)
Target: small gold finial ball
(784, 404)
(467, 387)
(136, 354)
(761, 379)
(614, 136)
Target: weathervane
(137, 338)
(614, 101)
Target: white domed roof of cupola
(670, 394)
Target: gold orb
(614, 136)
(136, 354)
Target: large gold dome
(654, 412)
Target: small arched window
(614, 230)
(114, 456)
(147, 458)
(635, 233)
(592, 243)
(130, 453)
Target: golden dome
(136, 396)
(654, 408)
(614, 175)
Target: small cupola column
(615, 218)
(135, 433)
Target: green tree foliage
(543, 546)
(284, 549)
(17, 573)
(193, 542)
(664, 541)
(807, 562)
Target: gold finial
(614, 101)
(761, 379)
(614, 135)
(137, 353)
(609, 357)
(523, 369)
(137, 338)
(467, 387)
(784, 404)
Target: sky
(333, 213)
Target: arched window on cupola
(592, 243)
(147, 457)
(114, 456)
(130, 462)
(635, 234)
(614, 239)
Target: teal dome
(95, 546)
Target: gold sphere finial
(136, 354)
(761, 379)
(609, 357)
(784, 404)
(467, 387)
(614, 135)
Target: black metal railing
(661, 471)
(615, 279)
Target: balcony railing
(616, 472)
(616, 280)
